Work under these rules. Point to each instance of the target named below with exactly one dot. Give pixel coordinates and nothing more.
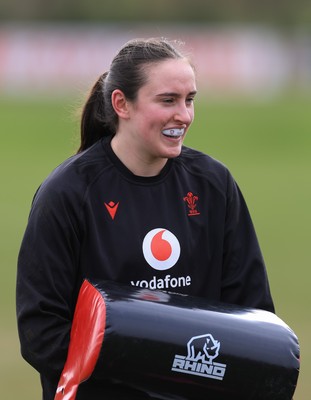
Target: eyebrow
(173, 94)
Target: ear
(120, 104)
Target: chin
(171, 149)
(173, 153)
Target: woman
(133, 206)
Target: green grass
(266, 145)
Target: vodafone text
(164, 283)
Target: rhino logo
(201, 352)
(203, 348)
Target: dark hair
(127, 73)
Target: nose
(184, 114)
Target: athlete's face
(163, 111)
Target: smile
(174, 132)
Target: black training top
(186, 230)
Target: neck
(134, 161)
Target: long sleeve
(244, 279)
(47, 281)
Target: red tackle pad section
(86, 338)
(174, 346)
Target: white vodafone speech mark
(161, 249)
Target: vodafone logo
(161, 249)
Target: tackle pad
(173, 346)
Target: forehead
(170, 75)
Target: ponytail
(93, 121)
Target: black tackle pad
(179, 347)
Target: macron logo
(112, 208)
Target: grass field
(266, 145)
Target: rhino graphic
(203, 348)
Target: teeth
(173, 132)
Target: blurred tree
(285, 13)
